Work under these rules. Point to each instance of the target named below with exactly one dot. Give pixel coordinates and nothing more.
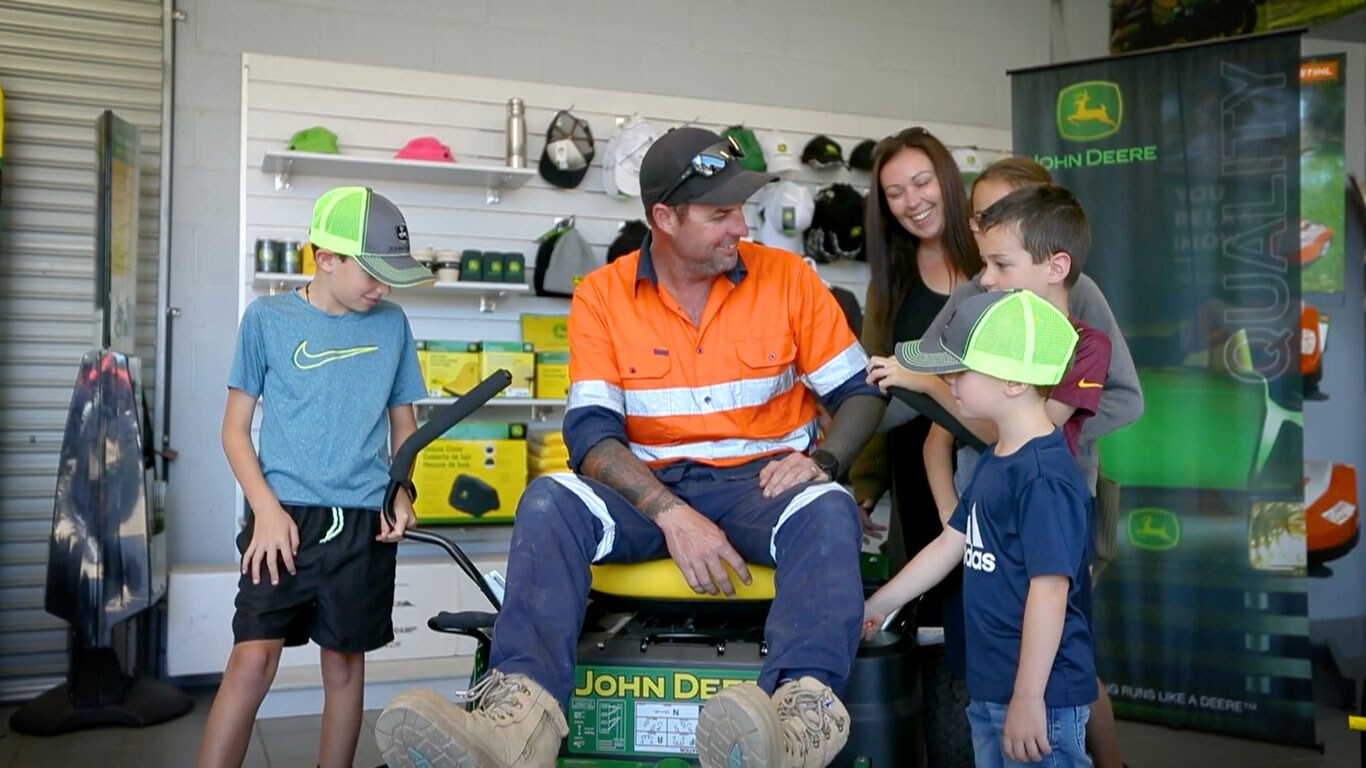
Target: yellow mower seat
(661, 580)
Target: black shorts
(342, 594)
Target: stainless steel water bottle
(516, 134)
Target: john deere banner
(1187, 162)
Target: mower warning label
(634, 710)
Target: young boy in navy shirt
(1021, 531)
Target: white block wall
(941, 61)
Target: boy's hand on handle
(273, 535)
(404, 518)
(1025, 736)
(871, 530)
(872, 620)
(698, 548)
(875, 612)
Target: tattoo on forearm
(612, 464)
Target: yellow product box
(552, 374)
(517, 358)
(548, 437)
(541, 451)
(449, 368)
(546, 333)
(542, 466)
(473, 474)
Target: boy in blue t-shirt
(335, 367)
(1021, 531)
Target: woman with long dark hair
(920, 248)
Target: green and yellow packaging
(552, 374)
(475, 473)
(449, 368)
(517, 358)
(546, 333)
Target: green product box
(514, 268)
(493, 267)
(472, 266)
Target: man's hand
(885, 372)
(404, 518)
(273, 534)
(699, 549)
(871, 530)
(1025, 736)
(791, 470)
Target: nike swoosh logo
(1084, 384)
(305, 360)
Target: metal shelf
(284, 164)
(510, 402)
(488, 293)
(541, 407)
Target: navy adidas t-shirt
(1025, 515)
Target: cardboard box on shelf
(475, 473)
(449, 368)
(552, 374)
(546, 333)
(517, 358)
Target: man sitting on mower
(696, 368)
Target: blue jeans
(1066, 735)
(812, 534)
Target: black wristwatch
(827, 463)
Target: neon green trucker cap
(1010, 335)
(364, 225)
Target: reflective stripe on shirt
(719, 450)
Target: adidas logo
(974, 555)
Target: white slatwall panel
(374, 110)
(62, 62)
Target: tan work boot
(515, 722)
(804, 725)
(814, 720)
(739, 728)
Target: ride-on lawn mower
(651, 651)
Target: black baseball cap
(836, 230)
(628, 239)
(568, 150)
(672, 154)
(861, 159)
(823, 152)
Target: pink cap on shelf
(425, 148)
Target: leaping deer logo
(1085, 114)
(1089, 110)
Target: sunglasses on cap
(707, 164)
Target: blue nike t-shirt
(326, 383)
(1025, 515)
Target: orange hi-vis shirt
(736, 387)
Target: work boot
(814, 720)
(515, 722)
(803, 725)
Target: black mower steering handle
(401, 469)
